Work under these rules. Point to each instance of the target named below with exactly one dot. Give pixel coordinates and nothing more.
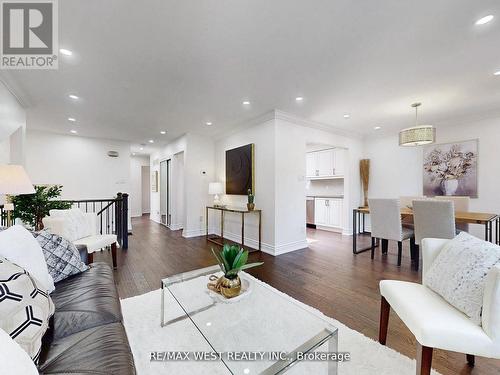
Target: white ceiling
(145, 66)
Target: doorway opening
(325, 169)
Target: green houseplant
(251, 197)
(32, 208)
(232, 259)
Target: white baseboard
(193, 233)
(176, 226)
(329, 229)
(265, 247)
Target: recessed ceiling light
(71, 119)
(497, 73)
(299, 99)
(246, 102)
(66, 52)
(377, 127)
(208, 123)
(142, 148)
(133, 153)
(151, 141)
(72, 131)
(347, 116)
(73, 96)
(163, 132)
(484, 20)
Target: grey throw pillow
(61, 255)
(459, 273)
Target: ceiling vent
(113, 154)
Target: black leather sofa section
(87, 335)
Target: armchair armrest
(490, 318)
(431, 247)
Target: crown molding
(282, 115)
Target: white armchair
(89, 236)
(437, 324)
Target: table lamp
(216, 188)
(13, 181)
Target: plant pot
(250, 206)
(229, 288)
(449, 187)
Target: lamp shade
(14, 180)
(417, 135)
(215, 188)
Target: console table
(219, 240)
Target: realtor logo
(29, 35)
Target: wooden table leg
(206, 222)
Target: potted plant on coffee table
(232, 259)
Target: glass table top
(261, 320)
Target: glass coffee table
(261, 332)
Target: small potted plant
(232, 259)
(251, 197)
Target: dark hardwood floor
(326, 276)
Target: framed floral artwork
(451, 169)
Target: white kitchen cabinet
(311, 163)
(338, 162)
(328, 212)
(321, 214)
(325, 164)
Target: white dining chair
(433, 219)
(461, 204)
(437, 324)
(385, 216)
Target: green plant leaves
(232, 259)
(32, 208)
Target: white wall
(197, 169)
(135, 200)
(263, 137)
(12, 128)
(80, 164)
(397, 171)
(146, 188)
(280, 167)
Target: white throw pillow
(459, 273)
(14, 360)
(19, 246)
(76, 226)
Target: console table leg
(242, 229)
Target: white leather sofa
(93, 240)
(437, 324)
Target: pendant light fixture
(417, 135)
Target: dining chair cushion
(385, 215)
(433, 219)
(459, 273)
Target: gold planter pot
(229, 288)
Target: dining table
(491, 223)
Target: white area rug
(141, 316)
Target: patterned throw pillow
(459, 273)
(61, 255)
(25, 309)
